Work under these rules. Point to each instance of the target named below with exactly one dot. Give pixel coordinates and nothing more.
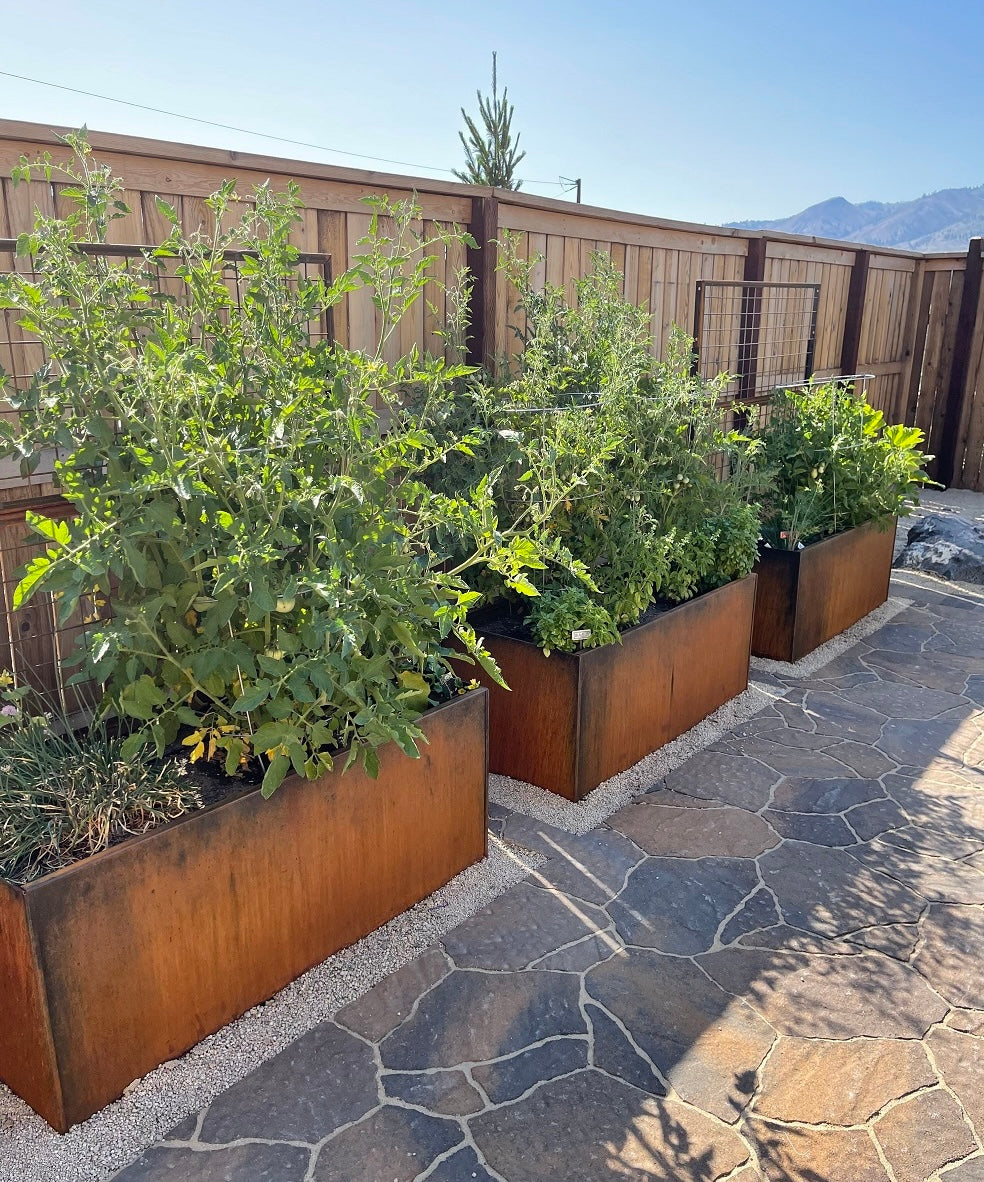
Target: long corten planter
(806, 597)
(128, 958)
(572, 720)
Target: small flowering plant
(11, 697)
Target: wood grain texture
(148, 947)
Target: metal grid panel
(764, 334)
(40, 651)
(22, 354)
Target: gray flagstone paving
(770, 967)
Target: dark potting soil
(504, 619)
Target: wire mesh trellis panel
(22, 354)
(763, 334)
(42, 652)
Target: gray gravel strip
(30, 1151)
(808, 665)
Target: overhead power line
(242, 130)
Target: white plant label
(581, 634)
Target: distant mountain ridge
(941, 221)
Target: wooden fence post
(482, 260)
(751, 317)
(854, 315)
(949, 457)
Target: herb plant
(249, 496)
(834, 464)
(64, 796)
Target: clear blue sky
(705, 111)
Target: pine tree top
(491, 154)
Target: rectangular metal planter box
(130, 957)
(806, 597)
(572, 720)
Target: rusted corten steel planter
(128, 958)
(572, 720)
(807, 596)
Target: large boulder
(951, 547)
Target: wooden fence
(914, 321)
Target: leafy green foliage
(64, 796)
(250, 496)
(556, 616)
(491, 153)
(648, 517)
(834, 464)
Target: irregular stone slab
(968, 1171)
(920, 743)
(960, 1058)
(695, 833)
(957, 810)
(814, 1155)
(677, 905)
(519, 927)
(395, 1144)
(385, 1006)
(938, 880)
(324, 1079)
(732, 779)
(850, 681)
(589, 1126)
(876, 817)
(933, 670)
(861, 758)
(905, 701)
(462, 1166)
(894, 939)
(807, 764)
(944, 844)
(591, 867)
(575, 958)
(449, 1093)
(758, 911)
(839, 1083)
(239, 1163)
(955, 637)
(970, 1021)
(828, 996)
(617, 1056)
(816, 828)
(510, 1078)
(829, 891)
(184, 1130)
(951, 953)
(836, 714)
(922, 1134)
(472, 1017)
(833, 795)
(661, 795)
(902, 637)
(945, 545)
(782, 938)
(706, 1044)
